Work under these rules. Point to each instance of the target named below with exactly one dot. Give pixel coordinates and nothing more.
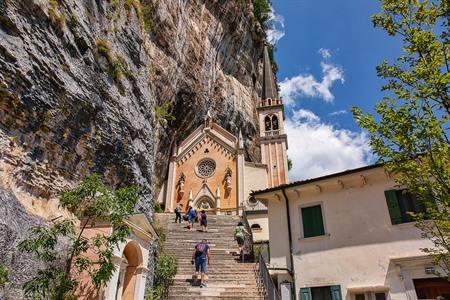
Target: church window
(206, 150)
(206, 168)
(268, 123)
(274, 123)
(252, 201)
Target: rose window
(206, 168)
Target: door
(432, 288)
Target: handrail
(248, 238)
(269, 285)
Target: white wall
(360, 240)
(263, 221)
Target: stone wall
(80, 81)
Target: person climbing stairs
(227, 276)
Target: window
(312, 221)
(206, 168)
(256, 227)
(380, 296)
(370, 296)
(267, 123)
(274, 123)
(400, 203)
(321, 293)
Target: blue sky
(327, 51)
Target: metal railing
(248, 238)
(271, 290)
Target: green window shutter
(393, 206)
(336, 292)
(312, 221)
(305, 294)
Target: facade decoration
(181, 182)
(228, 184)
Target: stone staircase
(228, 278)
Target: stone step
(227, 277)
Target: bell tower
(272, 135)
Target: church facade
(208, 169)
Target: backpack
(200, 248)
(240, 231)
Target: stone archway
(204, 203)
(132, 259)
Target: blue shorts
(200, 264)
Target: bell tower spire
(271, 127)
(269, 89)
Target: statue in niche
(228, 180)
(181, 182)
(208, 119)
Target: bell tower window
(274, 123)
(268, 123)
(271, 125)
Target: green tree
(411, 132)
(62, 248)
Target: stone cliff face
(107, 86)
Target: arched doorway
(132, 259)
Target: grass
(57, 21)
(163, 111)
(104, 49)
(118, 67)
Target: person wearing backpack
(203, 221)
(200, 257)
(178, 213)
(239, 236)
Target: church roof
(214, 134)
(269, 88)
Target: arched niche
(204, 203)
(132, 257)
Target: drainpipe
(292, 268)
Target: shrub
(163, 111)
(262, 11)
(58, 22)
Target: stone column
(240, 179)
(111, 288)
(171, 185)
(141, 276)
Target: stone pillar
(141, 276)
(111, 289)
(171, 185)
(240, 179)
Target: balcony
(272, 133)
(270, 102)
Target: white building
(350, 238)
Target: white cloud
(326, 53)
(305, 85)
(318, 149)
(338, 112)
(276, 27)
(305, 115)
